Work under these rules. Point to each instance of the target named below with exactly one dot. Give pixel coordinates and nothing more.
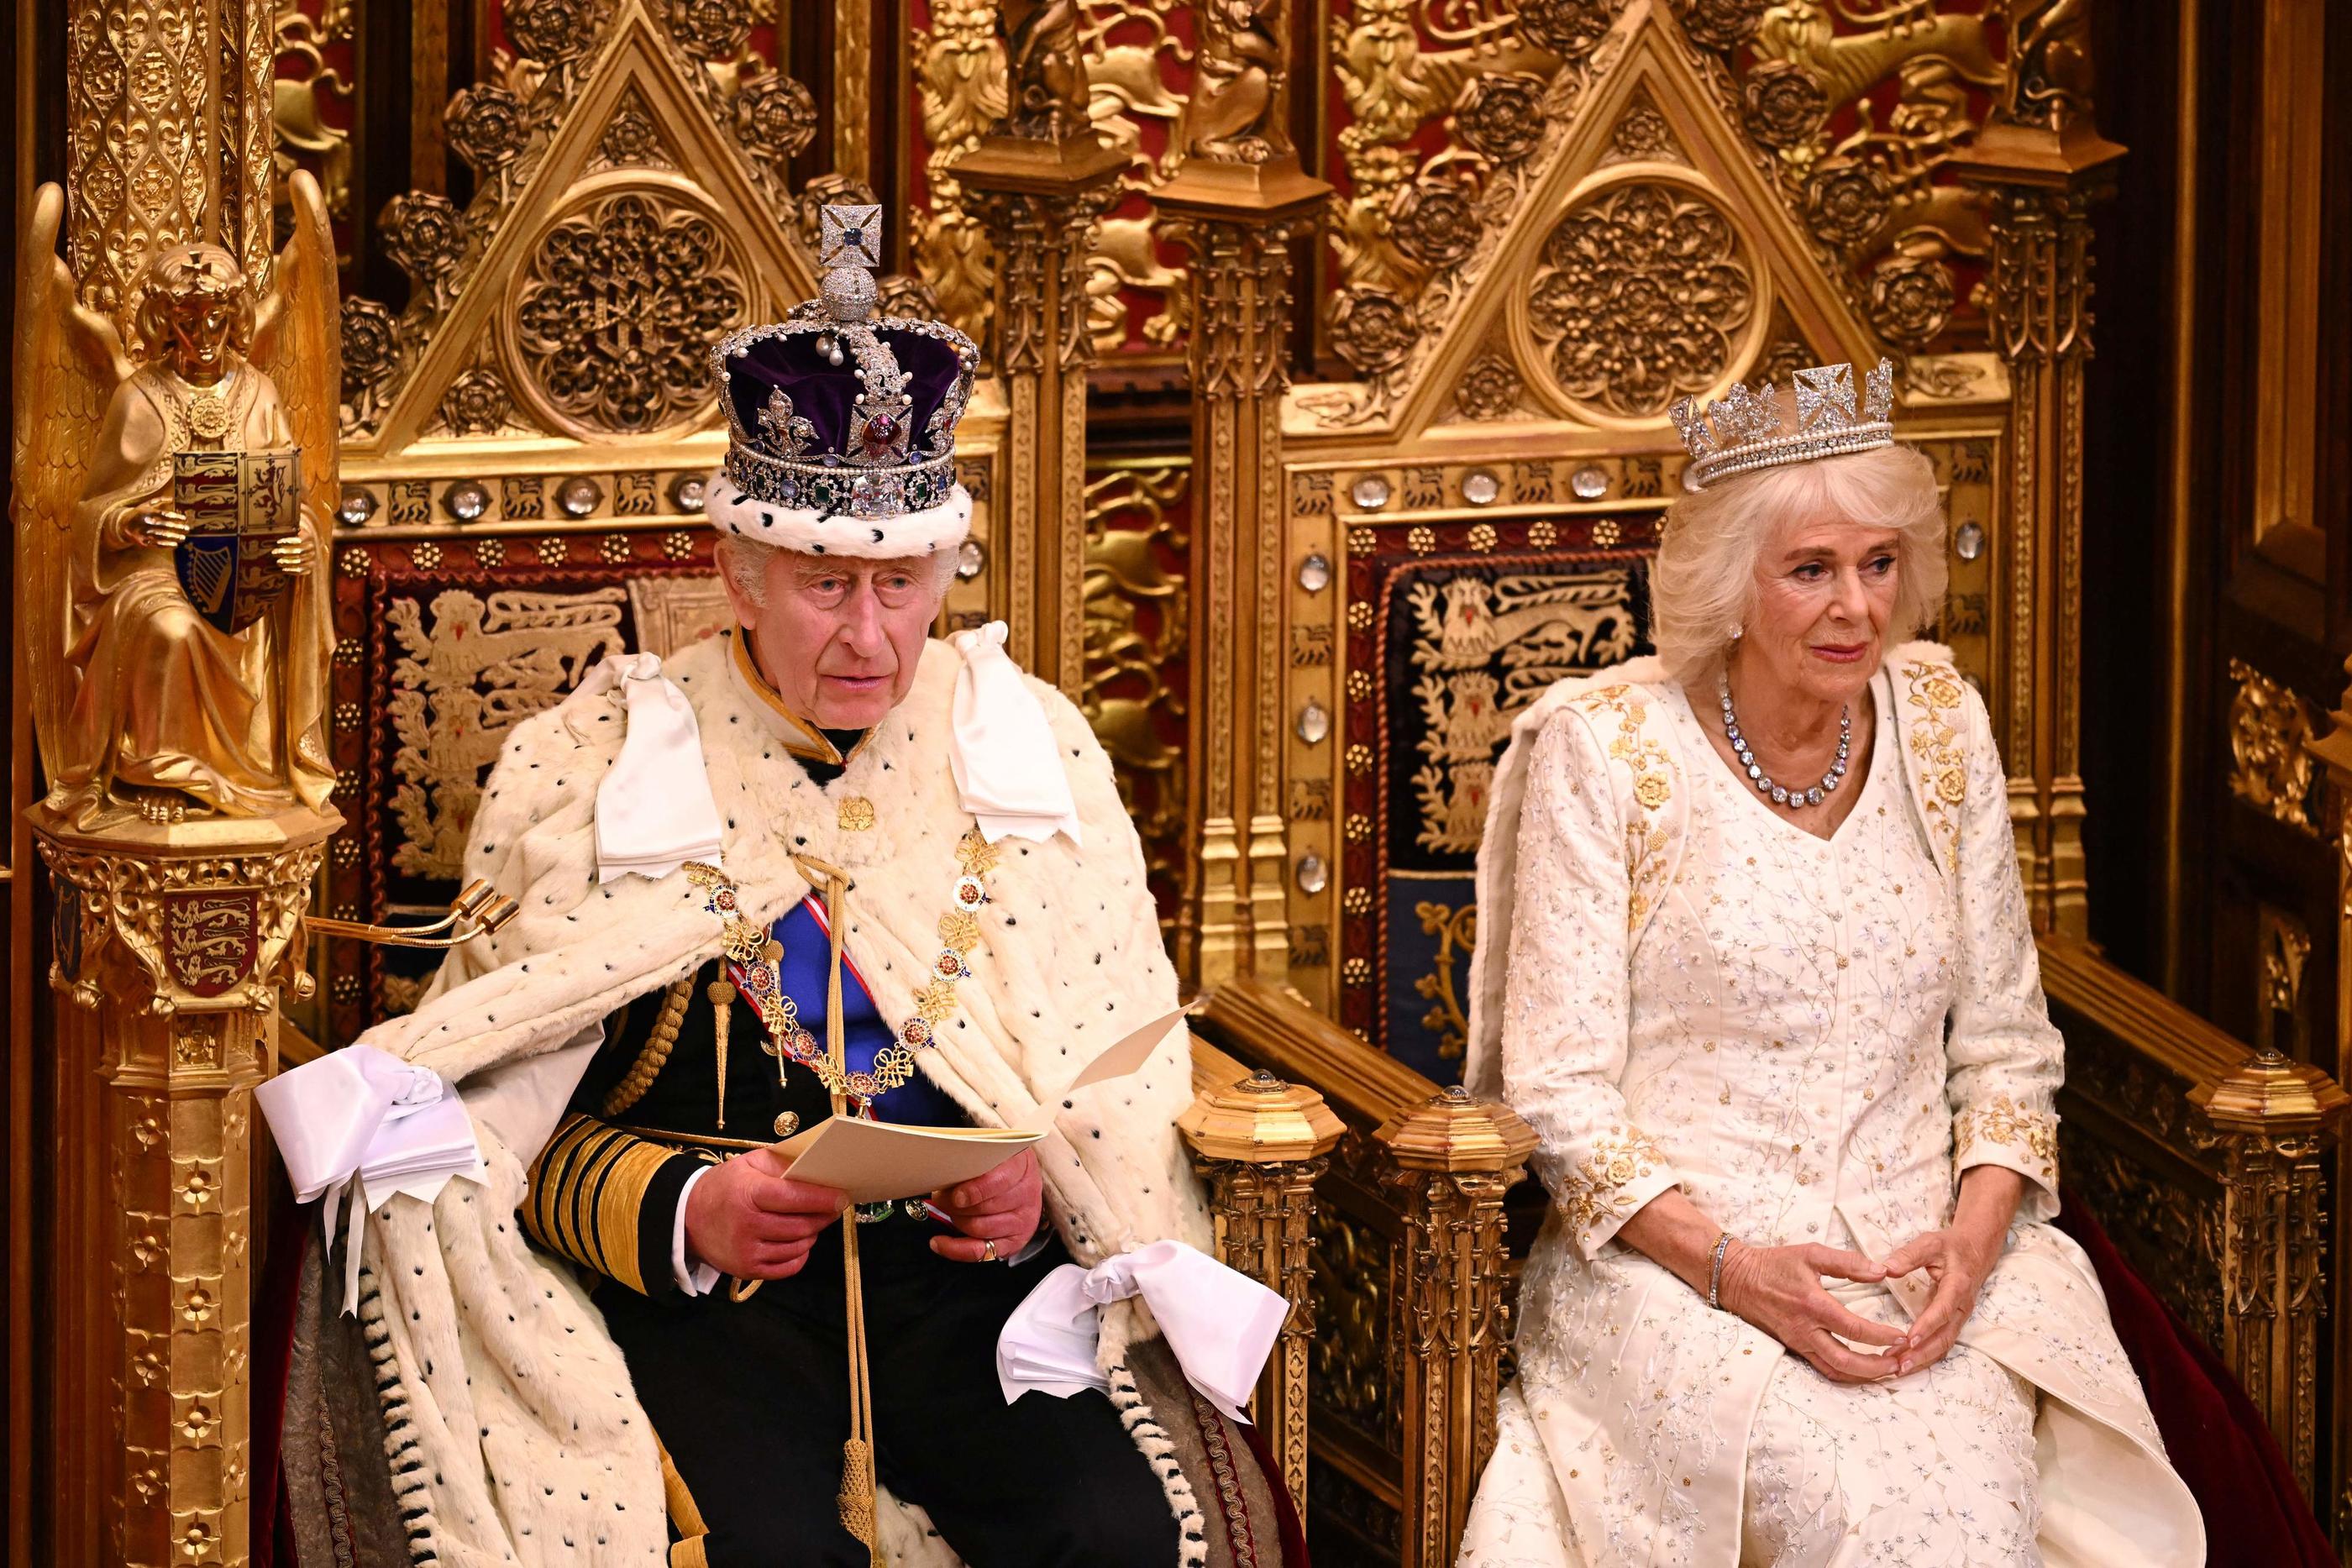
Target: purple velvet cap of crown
(822, 392)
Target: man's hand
(1778, 1289)
(162, 528)
(1001, 1206)
(750, 1219)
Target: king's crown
(838, 412)
(1748, 428)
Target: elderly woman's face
(1824, 594)
(839, 639)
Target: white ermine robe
(515, 1436)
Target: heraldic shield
(238, 505)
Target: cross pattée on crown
(850, 236)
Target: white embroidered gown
(1812, 1038)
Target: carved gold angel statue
(150, 703)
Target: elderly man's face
(839, 638)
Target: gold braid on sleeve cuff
(607, 1199)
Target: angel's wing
(298, 343)
(69, 359)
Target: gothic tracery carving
(1644, 292)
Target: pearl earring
(1738, 632)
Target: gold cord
(856, 1497)
(656, 1055)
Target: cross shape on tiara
(850, 236)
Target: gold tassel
(722, 1014)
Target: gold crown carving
(1747, 429)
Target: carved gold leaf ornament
(775, 117)
(485, 126)
(1785, 107)
(1847, 202)
(1435, 221)
(1643, 293)
(618, 307)
(1490, 388)
(2271, 767)
(1501, 114)
(1911, 299)
(1373, 329)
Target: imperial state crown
(840, 422)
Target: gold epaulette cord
(656, 1055)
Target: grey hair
(745, 562)
(1703, 581)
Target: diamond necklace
(1781, 794)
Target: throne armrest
(1408, 1238)
(2209, 1158)
(1261, 1143)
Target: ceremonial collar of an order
(800, 738)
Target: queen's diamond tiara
(1747, 429)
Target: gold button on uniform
(857, 813)
(787, 1123)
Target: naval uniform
(750, 1398)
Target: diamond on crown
(850, 236)
(1745, 429)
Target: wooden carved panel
(1139, 57)
(1136, 658)
(1447, 116)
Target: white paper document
(881, 1162)
(1126, 1054)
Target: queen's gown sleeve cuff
(1617, 1170)
(1999, 1131)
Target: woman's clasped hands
(1779, 1290)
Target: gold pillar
(1262, 1145)
(2274, 1119)
(2044, 163)
(167, 137)
(172, 938)
(171, 943)
(1239, 196)
(1454, 1159)
(1039, 197)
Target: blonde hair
(1703, 581)
(187, 269)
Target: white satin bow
(362, 1116)
(1220, 1323)
(653, 809)
(1008, 774)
